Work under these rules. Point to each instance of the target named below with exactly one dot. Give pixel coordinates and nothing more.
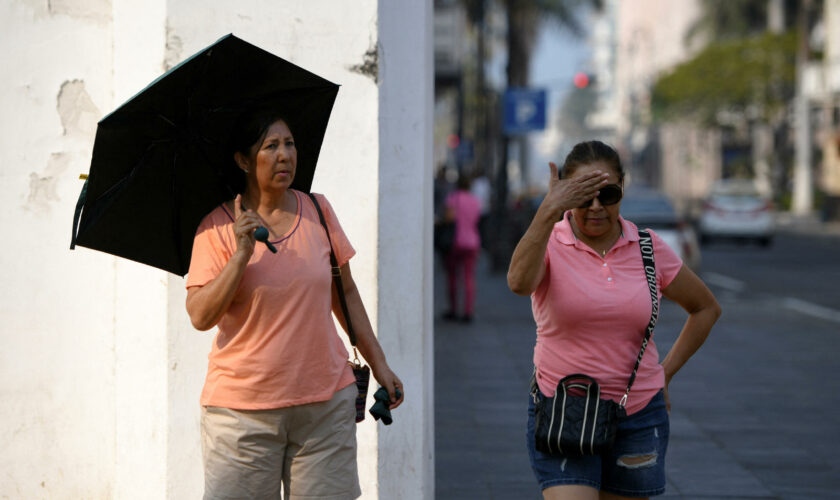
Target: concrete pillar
(406, 449)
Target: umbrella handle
(261, 234)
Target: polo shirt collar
(564, 233)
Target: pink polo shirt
(592, 312)
(467, 208)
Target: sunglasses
(608, 195)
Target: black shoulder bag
(576, 421)
(361, 371)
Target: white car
(736, 210)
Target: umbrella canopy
(161, 161)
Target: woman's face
(273, 162)
(596, 220)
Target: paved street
(754, 414)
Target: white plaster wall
(101, 371)
(648, 46)
(56, 307)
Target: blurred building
(450, 28)
(827, 92)
(632, 46)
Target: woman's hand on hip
(566, 194)
(245, 222)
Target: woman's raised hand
(243, 227)
(566, 194)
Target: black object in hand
(380, 409)
(261, 234)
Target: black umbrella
(161, 162)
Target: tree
(726, 20)
(525, 19)
(751, 77)
(744, 79)
(524, 22)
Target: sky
(559, 55)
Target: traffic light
(581, 80)
(453, 141)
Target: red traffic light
(581, 80)
(452, 140)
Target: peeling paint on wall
(77, 111)
(370, 64)
(174, 48)
(94, 10)
(42, 186)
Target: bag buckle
(623, 400)
(336, 271)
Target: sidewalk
(806, 224)
(482, 370)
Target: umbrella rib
(97, 208)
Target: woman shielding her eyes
(581, 263)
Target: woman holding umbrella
(278, 400)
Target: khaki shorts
(308, 449)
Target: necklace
(271, 227)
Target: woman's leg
(609, 496)
(635, 466)
(469, 261)
(321, 456)
(452, 282)
(570, 492)
(243, 453)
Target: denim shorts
(641, 441)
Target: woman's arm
(703, 309)
(366, 341)
(527, 265)
(208, 303)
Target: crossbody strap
(336, 274)
(646, 246)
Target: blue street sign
(524, 110)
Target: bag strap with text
(646, 246)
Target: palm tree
(524, 23)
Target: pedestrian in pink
(581, 263)
(464, 209)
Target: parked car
(649, 208)
(735, 209)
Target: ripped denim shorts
(635, 467)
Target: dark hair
(464, 182)
(588, 152)
(251, 128)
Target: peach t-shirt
(277, 344)
(592, 312)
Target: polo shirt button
(605, 264)
(609, 279)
